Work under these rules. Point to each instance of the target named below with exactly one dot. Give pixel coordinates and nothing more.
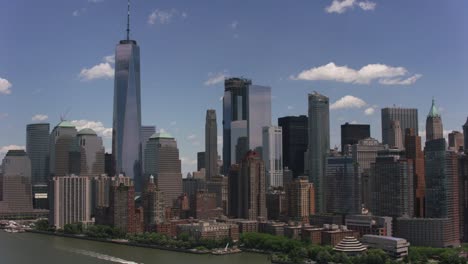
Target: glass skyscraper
(408, 118)
(126, 133)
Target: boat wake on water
(101, 256)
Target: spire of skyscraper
(128, 20)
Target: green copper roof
(161, 135)
(87, 131)
(433, 112)
(65, 123)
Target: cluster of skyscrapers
(284, 172)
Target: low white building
(395, 247)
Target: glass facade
(37, 147)
(408, 118)
(273, 155)
(126, 133)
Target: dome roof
(161, 135)
(65, 123)
(87, 131)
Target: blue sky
(364, 54)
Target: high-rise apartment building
(37, 147)
(62, 143)
(300, 198)
(154, 207)
(71, 196)
(352, 133)
(92, 153)
(126, 126)
(391, 184)
(343, 188)
(434, 129)
(273, 156)
(295, 142)
(319, 146)
(163, 162)
(408, 118)
(455, 139)
(211, 144)
(122, 207)
(246, 110)
(442, 199)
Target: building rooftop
(433, 112)
(65, 123)
(161, 135)
(86, 131)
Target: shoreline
(180, 250)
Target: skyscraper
(352, 133)
(416, 155)
(146, 133)
(211, 144)
(126, 126)
(319, 145)
(273, 156)
(200, 160)
(434, 129)
(154, 209)
(300, 198)
(246, 110)
(343, 189)
(163, 162)
(391, 184)
(92, 153)
(62, 142)
(395, 136)
(408, 118)
(465, 135)
(455, 139)
(295, 141)
(37, 147)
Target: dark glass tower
(295, 140)
(352, 133)
(408, 118)
(126, 132)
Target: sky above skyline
(56, 58)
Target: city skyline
(216, 47)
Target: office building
(246, 110)
(301, 199)
(343, 192)
(463, 196)
(273, 156)
(369, 224)
(126, 125)
(219, 186)
(146, 133)
(319, 146)
(71, 197)
(396, 248)
(465, 135)
(277, 204)
(408, 118)
(122, 207)
(456, 139)
(163, 162)
(203, 206)
(442, 180)
(211, 144)
(416, 156)
(62, 143)
(154, 208)
(391, 185)
(364, 153)
(427, 232)
(109, 164)
(92, 153)
(395, 136)
(295, 142)
(352, 133)
(37, 148)
(434, 128)
(210, 230)
(200, 160)
(15, 183)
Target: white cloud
(348, 101)
(234, 24)
(290, 107)
(5, 149)
(79, 12)
(367, 5)
(5, 86)
(341, 6)
(97, 126)
(353, 122)
(216, 78)
(365, 75)
(39, 117)
(100, 71)
(164, 16)
(188, 161)
(191, 137)
(110, 59)
(369, 111)
(95, 1)
(399, 81)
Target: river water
(44, 249)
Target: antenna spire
(128, 21)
